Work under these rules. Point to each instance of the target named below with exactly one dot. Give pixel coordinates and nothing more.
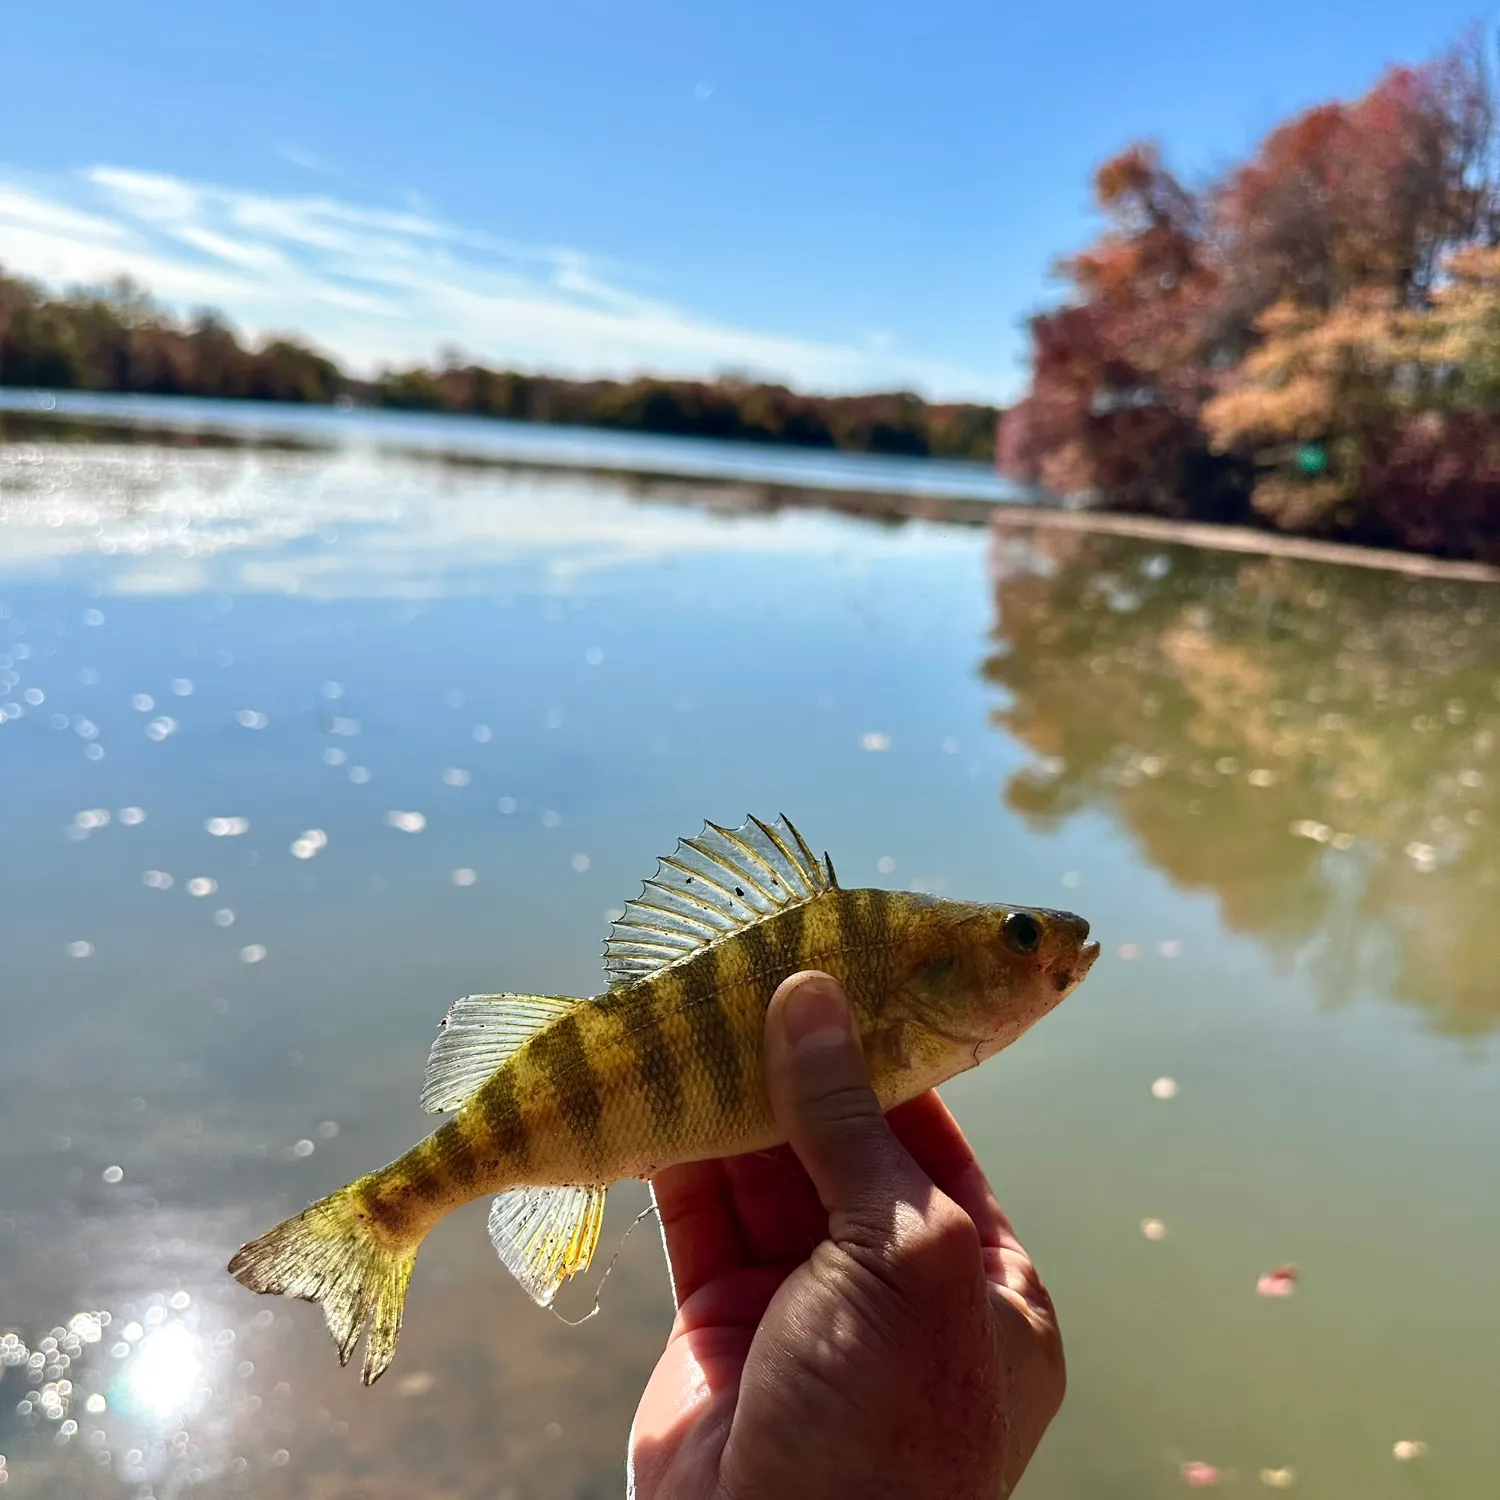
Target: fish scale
(556, 1097)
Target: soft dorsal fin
(710, 886)
(480, 1032)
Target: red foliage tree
(1118, 372)
(1345, 210)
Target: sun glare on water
(163, 1376)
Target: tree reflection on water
(1313, 745)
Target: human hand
(855, 1316)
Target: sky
(845, 196)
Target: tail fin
(332, 1254)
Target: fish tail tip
(326, 1255)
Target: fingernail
(816, 1015)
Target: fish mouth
(1069, 978)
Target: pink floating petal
(1201, 1476)
(1280, 1281)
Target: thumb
(821, 1096)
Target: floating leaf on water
(1280, 1281)
(1198, 1475)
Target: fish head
(997, 970)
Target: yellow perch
(556, 1098)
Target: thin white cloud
(299, 156)
(23, 209)
(377, 286)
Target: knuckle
(946, 1239)
(843, 1104)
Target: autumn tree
(1316, 330)
(1119, 372)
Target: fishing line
(646, 1212)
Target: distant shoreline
(117, 339)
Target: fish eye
(1022, 932)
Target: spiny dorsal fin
(709, 886)
(480, 1032)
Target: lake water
(301, 744)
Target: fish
(553, 1098)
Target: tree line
(1309, 341)
(117, 338)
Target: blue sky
(845, 195)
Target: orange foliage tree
(1314, 339)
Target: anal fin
(544, 1235)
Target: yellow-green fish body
(556, 1098)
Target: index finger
(926, 1127)
(699, 1225)
(928, 1130)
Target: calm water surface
(299, 746)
